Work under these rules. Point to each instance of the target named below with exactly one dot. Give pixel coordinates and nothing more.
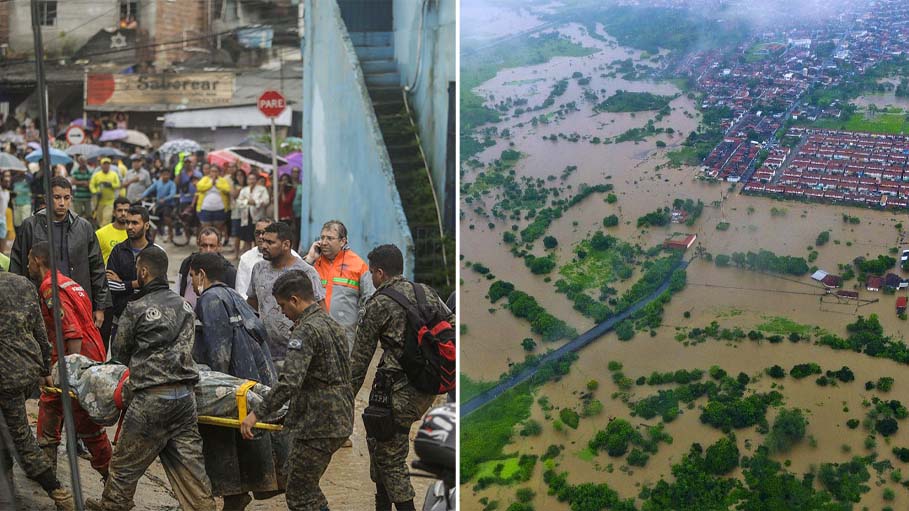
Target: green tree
(625, 330)
(788, 429)
(722, 457)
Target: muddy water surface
(730, 296)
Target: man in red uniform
(80, 335)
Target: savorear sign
(177, 89)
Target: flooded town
(683, 270)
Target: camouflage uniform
(385, 321)
(316, 381)
(155, 340)
(24, 356)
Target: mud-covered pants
(305, 466)
(160, 424)
(50, 426)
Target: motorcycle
(435, 447)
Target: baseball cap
(105, 160)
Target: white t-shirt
(212, 200)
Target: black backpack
(429, 344)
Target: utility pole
(85, 98)
(68, 421)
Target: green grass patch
(471, 387)
(592, 268)
(888, 123)
(586, 454)
(510, 468)
(684, 156)
(488, 430)
(783, 326)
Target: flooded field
(733, 297)
(888, 99)
(620, 164)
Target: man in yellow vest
(106, 184)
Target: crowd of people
(201, 194)
(306, 320)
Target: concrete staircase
(376, 53)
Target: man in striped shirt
(82, 195)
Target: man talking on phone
(344, 275)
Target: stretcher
(242, 390)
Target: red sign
(271, 103)
(75, 135)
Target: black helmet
(436, 439)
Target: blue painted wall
(347, 171)
(431, 48)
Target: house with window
(153, 37)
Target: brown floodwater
(730, 296)
(887, 99)
(493, 340)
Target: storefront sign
(176, 90)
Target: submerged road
(572, 346)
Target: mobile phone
(318, 247)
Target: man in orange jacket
(80, 335)
(344, 275)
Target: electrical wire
(206, 35)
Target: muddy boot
(63, 499)
(93, 505)
(405, 506)
(236, 502)
(50, 451)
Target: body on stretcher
(208, 419)
(102, 391)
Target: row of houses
(840, 166)
(869, 199)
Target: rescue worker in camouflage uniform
(155, 340)
(316, 381)
(385, 322)
(25, 357)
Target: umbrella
(138, 138)
(180, 145)
(83, 149)
(12, 137)
(111, 135)
(292, 143)
(223, 157)
(78, 122)
(10, 162)
(106, 151)
(35, 145)
(293, 160)
(58, 157)
(256, 155)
